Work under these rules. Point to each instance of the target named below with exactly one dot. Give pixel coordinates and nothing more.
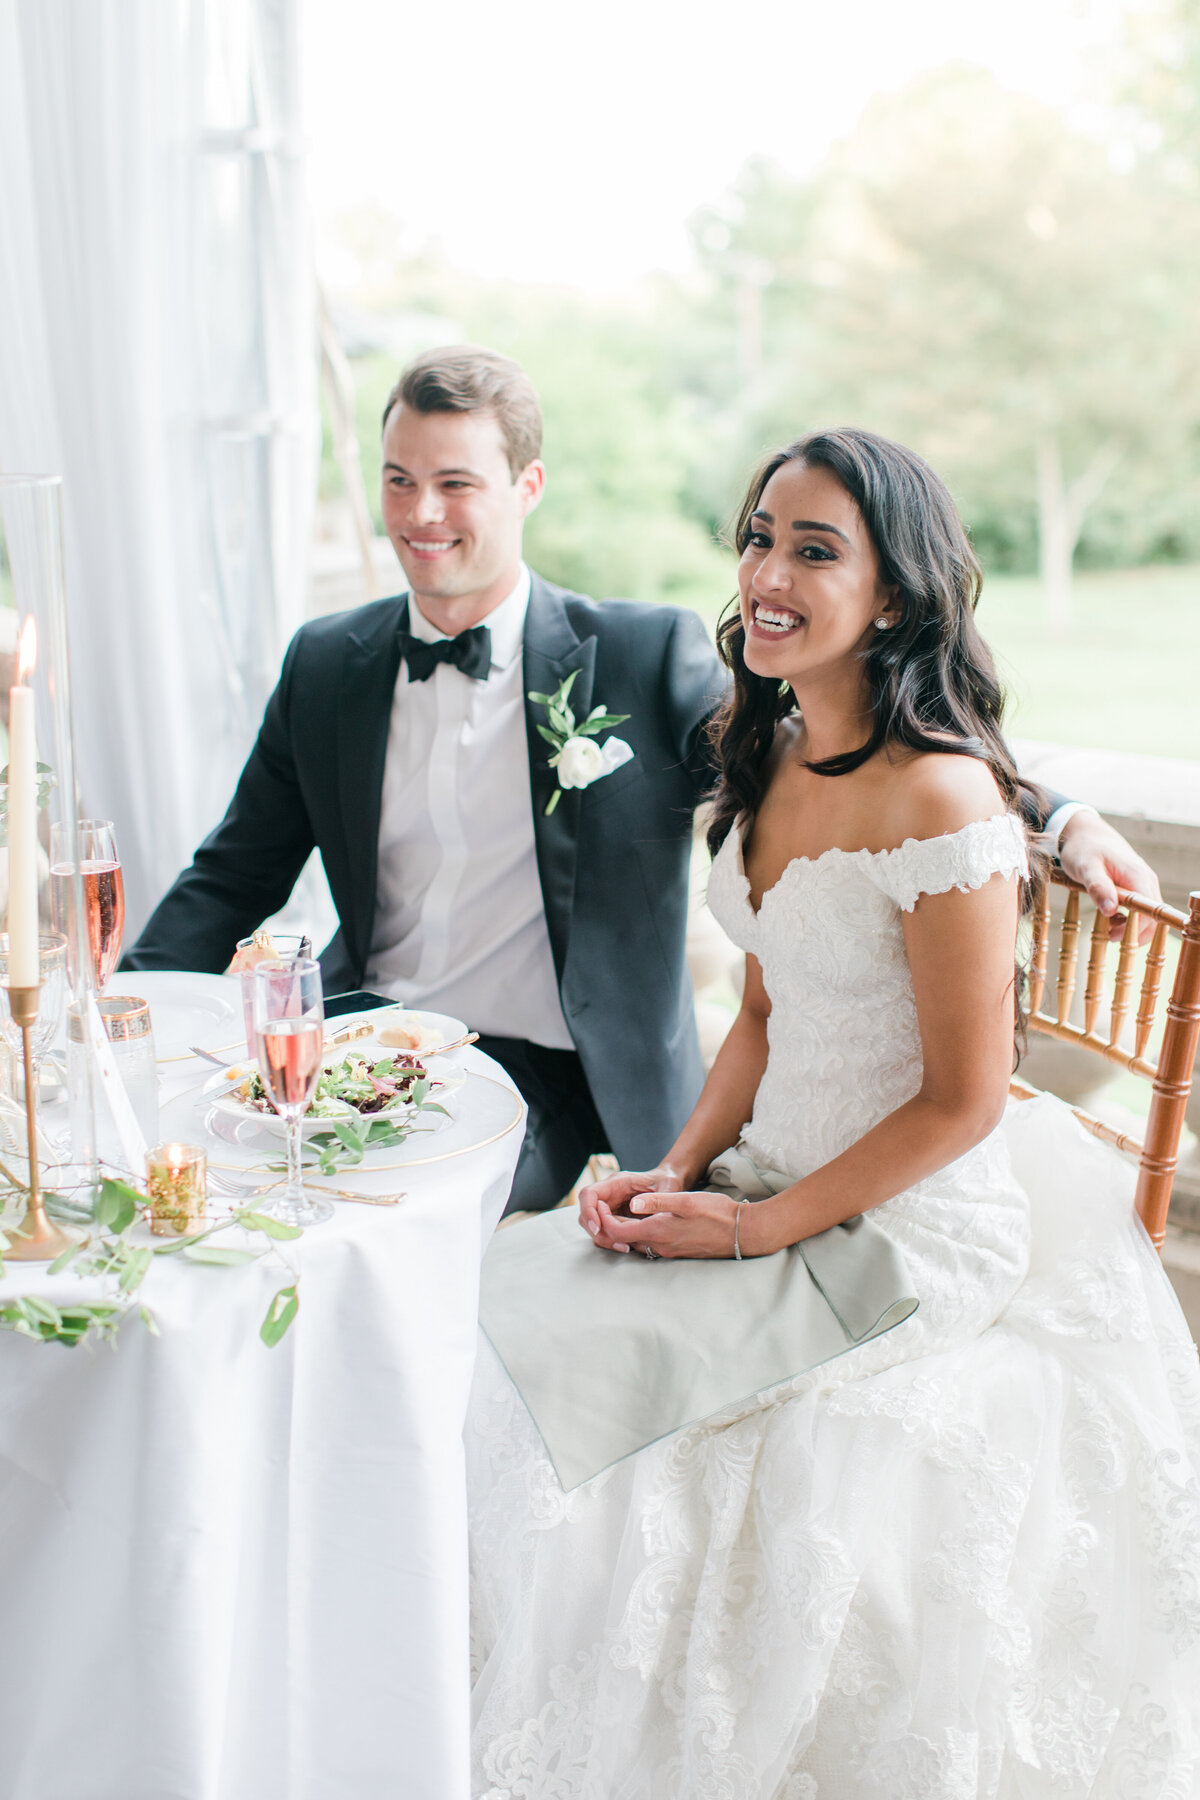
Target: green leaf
(117, 1206)
(13, 1319)
(133, 1273)
(590, 727)
(222, 1254)
(433, 1106)
(63, 1258)
(274, 1228)
(181, 1243)
(35, 1308)
(352, 1137)
(149, 1321)
(282, 1310)
(539, 699)
(550, 736)
(385, 1131)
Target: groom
(404, 743)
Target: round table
(229, 1572)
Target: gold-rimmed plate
(484, 1111)
(185, 1008)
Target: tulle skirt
(960, 1563)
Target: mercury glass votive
(177, 1182)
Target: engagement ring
(649, 1254)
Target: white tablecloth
(229, 1572)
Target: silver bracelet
(737, 1226)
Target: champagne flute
(103, 890)
(289, 1041)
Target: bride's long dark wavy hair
(931, 680)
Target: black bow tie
(470, 651)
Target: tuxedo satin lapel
(552, 652)
(369, 673)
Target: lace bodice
(844, 1046)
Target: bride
(959, 1556)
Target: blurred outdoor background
(971, 227)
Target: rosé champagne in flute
(103, 890)
(289, 1057)
(289, 1040)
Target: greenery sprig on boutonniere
(578, 759)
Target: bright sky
(556, 141)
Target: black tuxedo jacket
(613, 858)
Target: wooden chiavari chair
(1170, 1072)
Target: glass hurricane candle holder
(177, 1184)
(33, 617)
(52, 976)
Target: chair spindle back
(1171, 1071)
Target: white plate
(442, 1028)
(185, 1008)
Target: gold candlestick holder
(36, 1238)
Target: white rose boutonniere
(577, 757)
(579, 762)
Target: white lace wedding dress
(961, 1561)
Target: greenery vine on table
(108, 1252)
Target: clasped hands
(653, 1211)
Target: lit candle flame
(27, 650)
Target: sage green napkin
(611, 1352)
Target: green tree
(1157, 80)
(621, 427)
(968, 273)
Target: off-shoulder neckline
(812, 862)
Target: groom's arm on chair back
(245, 870)
(1036, 814)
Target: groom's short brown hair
(466, 378)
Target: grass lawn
(1127, 675)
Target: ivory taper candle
(22, 822)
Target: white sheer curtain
(158, 348)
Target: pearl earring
(883, 624)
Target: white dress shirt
(460, 925)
